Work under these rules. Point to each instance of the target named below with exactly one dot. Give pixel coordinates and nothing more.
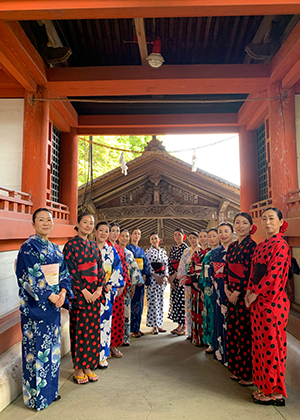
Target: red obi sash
(175, 265)
(218, 269)
(235, 272)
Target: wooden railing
(294, 201)
(257, 208)
(15, 201)
(59, 211)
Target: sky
(221, 159)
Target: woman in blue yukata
(135, 278)
(44, 282)
(137, 302)
(114, 280)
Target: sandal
(116, 353)
(154, 331)
(161, 330)
(103, 365)
(279, 402)
(178, 332)
(246, 383)
(92, 375)
(209, 350)
(174, 331)
(141, 333)
(136, 335)
(234, 378)
(126, 344)
(85, 378)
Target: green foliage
(104, 159)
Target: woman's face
(43, 224)
(86, 225)
(178, 237)
(193, 240)
(213, 238)
(271, 223)
(154, 241)
(102, 234)
(136, 236)
(114, 234)
(124, 238)
(203, 240)
(225, 235)
(242, 227)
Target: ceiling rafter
(141, 37)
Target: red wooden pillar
(69, 172)
(35, 138)
(283, 151)
(248, 168)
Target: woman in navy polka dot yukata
(236, 276)
(269, 305)
(84, 262)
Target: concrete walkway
(160, 377)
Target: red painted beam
(112, 131)
(158, 121)
(168, 80)
(292, 77)
(252, 113)
(67, 111)
(287, 57)
(114, 9)
(20, 58)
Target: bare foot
(80, 377)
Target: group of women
(226, 293)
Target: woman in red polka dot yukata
(236, 276)
(84, 262)
(269, 305)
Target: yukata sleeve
(203, 278)
(272, 283)
(165, 259)
(148, 256)
(135, 274)
(116, 279)
(65, 281)
(146, 270)
(181, 272)
(171, 269)
(77, 280)
(101, 271)
(243, 286)
(30, 274)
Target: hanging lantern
(194, 161)
(122, 162)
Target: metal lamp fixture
(155, 59)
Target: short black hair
(226, 224)
(103, 222)
(34, 216)
(244, 214)
(81, 216)
(277, 211)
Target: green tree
(105, 159)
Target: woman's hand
(251, 298)
(61, 298)
(227, 292)
(120, 291)
(97, 294)
(202, 296)
(132, 291)
(234, 297)
(87, 296)
(196, 286)
(53, 298)
(247, 298)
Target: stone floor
(159, 378)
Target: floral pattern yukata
(40, 320)
(177, 301)
(194, 271)
(135, 278)
(269, 313)
(158, 261)
(85, 266)
(114, 277)
(118, 315)
(205, 284)
(182, 275)
(215, 272)
(236, 276)
(137, 303)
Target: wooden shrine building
(161, 193)
(81, 67)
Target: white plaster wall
(11, 142)
(297, 111)
(296, 254)
(9, 291)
